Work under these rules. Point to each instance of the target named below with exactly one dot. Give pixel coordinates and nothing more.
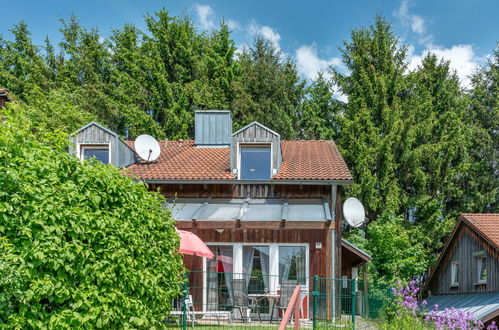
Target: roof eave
(236, 181)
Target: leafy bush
(83, 244)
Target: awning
(483, 305)
(250, 209)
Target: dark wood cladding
(466, 242)
(243, 191)
(319, 258)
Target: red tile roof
(182, 160)
(487, 224)
(312, 160)
(301, 160)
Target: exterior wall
(256, 134)
(319, 259)
(466, 242)
(243, 190)
(121, 155)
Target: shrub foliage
(82, 244)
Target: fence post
(185, 293)
(354, 302)
(315, 293)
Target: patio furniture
(285, 293)
(257, 297)
(192, 314)
(240, 298)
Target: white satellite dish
(147, 147)
(353, 211)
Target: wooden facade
(242, 191)
(93, 134)
(4, 97)
(462, 248)
(309, 232)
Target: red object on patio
(191, 244)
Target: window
(255, 162)
(292, 264)
(481, 263)
(454, 273)
(99, 152)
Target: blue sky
(464, 32)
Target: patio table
(257, 297)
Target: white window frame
(454, 272)
(237, 254)
(256, 144)
(479, 264)
(93, 146)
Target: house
(263, 205)
(4, 97)
(466, 274)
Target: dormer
(94, 141)
(255, 152)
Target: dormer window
(255, 162)
(99, 152)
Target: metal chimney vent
(213, 128)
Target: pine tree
(321, 114)
(372, 122)
(267, 89)
(482, 184)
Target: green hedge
(81, 245)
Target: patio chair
(192, 314)
(285, 294)
(240, 298)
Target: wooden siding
(242, 191)
(465, 243)
(256, 134)
(320, 259)
(3, 101)
(121, 154)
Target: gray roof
(250, 209)
(258, 124)
(355, 247)
(480, 304)
(98, 125)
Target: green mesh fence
(215, 300)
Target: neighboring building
(257, 201)
(466, 275)
(4, 97)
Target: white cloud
(462, 58)
(205, 15)
(233, 25)
(265, 32)
(415, 22)
(309, 63)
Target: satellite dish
(353, 211)
(147, 147)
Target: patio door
(219, 274)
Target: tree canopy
(421, 147)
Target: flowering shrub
(408, 307)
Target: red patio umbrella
(191, 244)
